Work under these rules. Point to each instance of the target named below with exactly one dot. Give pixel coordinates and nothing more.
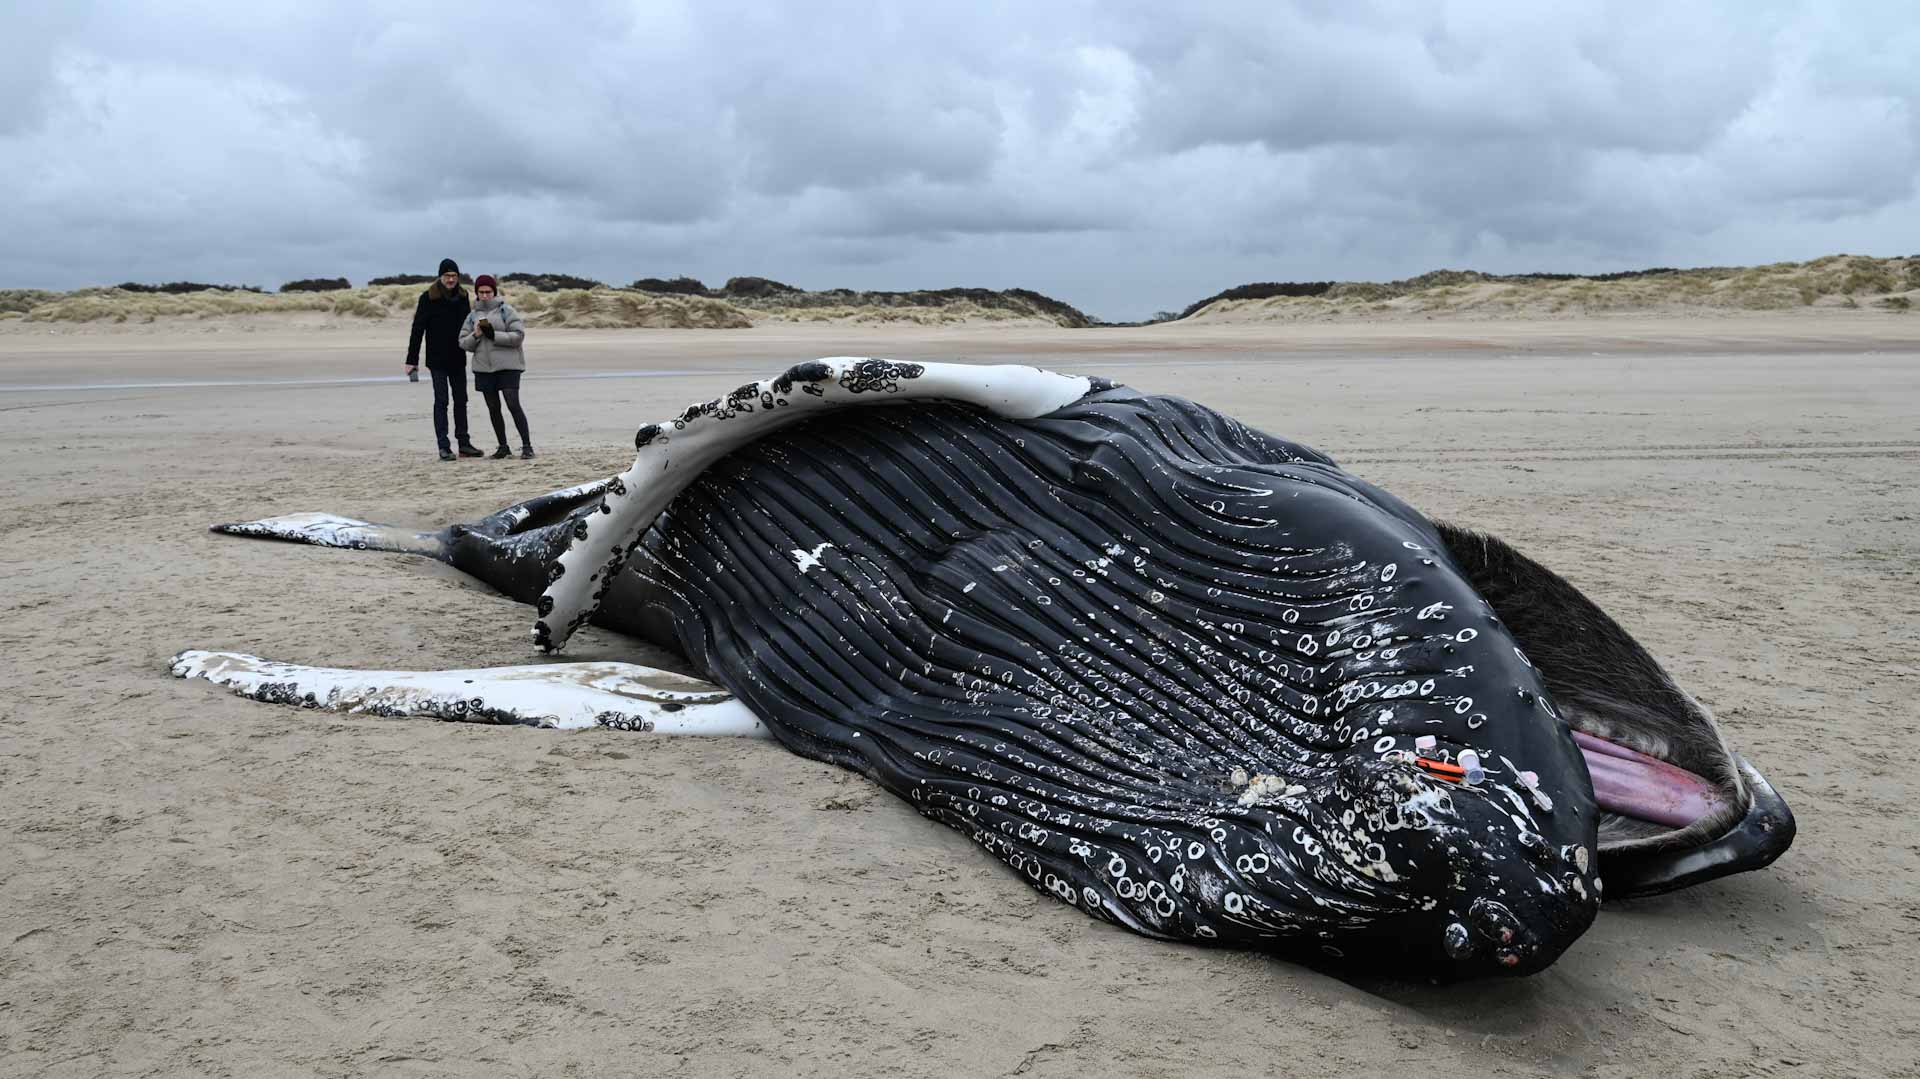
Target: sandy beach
(194, 884)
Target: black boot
(468, 449)
(526, 452)
(502, 453)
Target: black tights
(513, 406)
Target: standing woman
(494, 333)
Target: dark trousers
(513, 405)
(449, 384)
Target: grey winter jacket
(506, 350)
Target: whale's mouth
(1644, 788)
(1663, 776)
(1677, 805)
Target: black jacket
(437, 318)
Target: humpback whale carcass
(1191, 678)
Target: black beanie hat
(449, 266)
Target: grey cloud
(1126, 156)
(917, 208)
(35, 35)
(1653, 80)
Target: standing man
(437, 319)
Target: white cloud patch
(1125, 157)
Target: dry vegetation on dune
(1843, 282)
(591, 308)
(1836, 281)
(557, 300)
(923, 314)
(121, 305)
(611, 308)
(16, 302)
(921, 306)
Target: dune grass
(119, 305)
(741, 304)
(613, 308)
(1850, 282)
(1835, 281)
(598, 308)
(945, 314)
(18, 301)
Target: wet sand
(195, 884)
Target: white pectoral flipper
(333, 530)
(564, 696)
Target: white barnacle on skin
(1426, 804)
(1263, 788)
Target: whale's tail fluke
(534, 517)
(332, 530)
(509, 550)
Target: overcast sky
(1124, 157)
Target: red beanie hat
(486, 280)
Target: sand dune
(596, 308)
(1827, 286)
(1847, 282)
